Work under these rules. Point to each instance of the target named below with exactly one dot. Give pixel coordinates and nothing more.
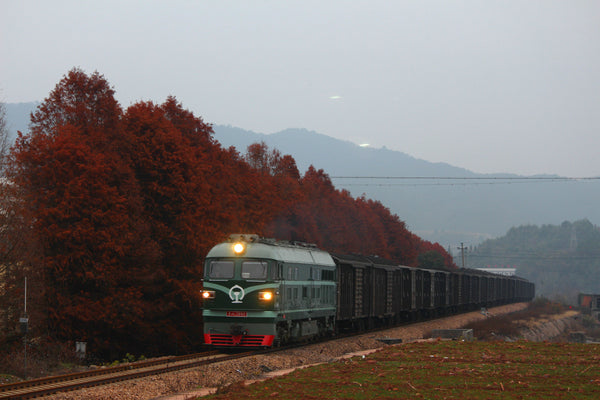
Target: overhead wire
(534, 257)
(456, 181)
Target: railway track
(64, 383)
(103, 376)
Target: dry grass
(444, 369)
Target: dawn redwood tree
(279, 190)
(333, 219)
(82, 203)
(173, 154)
(400, 242)
(433, 255)
(300, 220)
(339, 223)
(219, 180)
(431, 259)
(259, 157)
(83, 101)
(371, 229)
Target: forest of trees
(562, 260)
(109, 212)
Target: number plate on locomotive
(237, 314)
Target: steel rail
(62, 383)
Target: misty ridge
(470, 209)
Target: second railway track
(63, 383)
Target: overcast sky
(491, 86)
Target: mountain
(17, 116)
(448, 211)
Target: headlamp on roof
(239, 248)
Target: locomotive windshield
(254, 270)
(249, 269)
(221, 269)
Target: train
(260, 292)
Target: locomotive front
(240, 293)
(259, 292)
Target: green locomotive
(262, 292)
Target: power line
(457, 181)
(470, 178)
(435, 184)
(534, 257)
(513, 178)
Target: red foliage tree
(331, 218)
(334, 220)
(190, 190)
(280, 188)
(434, 255)
(81, 200)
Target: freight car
(261, 292)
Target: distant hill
(562, 260)
(17, 116)
(442, 210)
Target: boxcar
(366, 291)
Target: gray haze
(491, 86)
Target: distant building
(590, 304)
(499, 271)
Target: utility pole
(462, 249)
(573, 244)
(24, 328)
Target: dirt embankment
(553, 327)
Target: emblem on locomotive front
(236, 294)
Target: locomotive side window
(315, 274)
(254, 270)
(277, 272)
(327, 275)
(292, 273)
(221, 270)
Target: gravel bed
(188, 384)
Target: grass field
(443, 370)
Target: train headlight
(208, 294)
(239, 248)
(265, 296)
